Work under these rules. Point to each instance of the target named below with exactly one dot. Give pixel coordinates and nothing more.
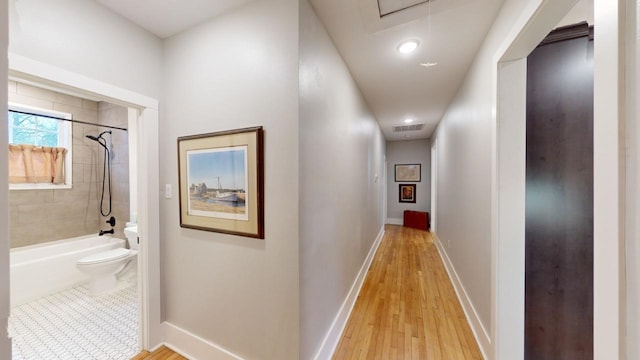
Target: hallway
(407, 308)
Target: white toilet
(104, 268)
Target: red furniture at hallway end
(416, 219)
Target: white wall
(465, 175)
(408, 152)
(633, 185)
(464, 170)
(235, 71)
(5, 343)
(582, 11)
(88, 39)
(341, 185)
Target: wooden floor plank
(162, 353)
(141, 356)
(407, 307)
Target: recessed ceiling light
(428, 64)
(408, 121)
(408, 46)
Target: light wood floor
(407, 308)
(163, 353)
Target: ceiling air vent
(403, 128)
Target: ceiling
(165, 18)
(395, 86)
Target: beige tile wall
(38, 216)
(114, 115)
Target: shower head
(96, 138)
(99, 137)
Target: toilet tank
(131, 232)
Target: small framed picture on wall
(407, 172)
(407, 193)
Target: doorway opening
(142, 120)
(508, 185)
(68, 231)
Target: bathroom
(44, 217)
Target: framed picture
(221, 179)
(407, 193)
(408, 172)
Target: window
(39, 129)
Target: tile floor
(72, 325)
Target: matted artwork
(407, 172)
(221, 182)
(407, 193)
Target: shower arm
(99, 139)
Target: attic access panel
(388, 7)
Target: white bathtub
(44, 269)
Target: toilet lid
(104, 256)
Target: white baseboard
(479, 332)
(331, 340)
(394, 221)
(192, 346)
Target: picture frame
(407, 193)
(408, 172)
(221, 182)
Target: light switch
(167, 191)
